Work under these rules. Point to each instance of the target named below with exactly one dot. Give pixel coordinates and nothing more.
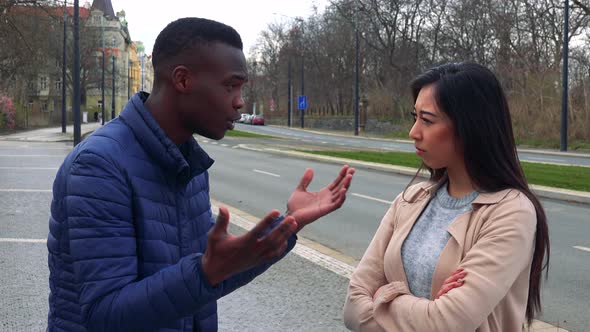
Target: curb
(572, 196)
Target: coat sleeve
(367, 278)
(103, 250)
(501, 253)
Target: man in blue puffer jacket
(132, 244)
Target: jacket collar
(160, 148)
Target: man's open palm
(306, 206)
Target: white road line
(371, 198)
(267, 173)
(235, 147)
(31, 168)
(12, 240)
(225, 145)
(30, 155)
(26, 190)
(582, 248)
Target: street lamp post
(77, 97)
(356, 76)
(63, 72)
(289, 106)
(102, 102)
(302, 87)
(290, 92)
(563, 143)
(113, 99)
(128, 77)
(142, 71)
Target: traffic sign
(302, 102)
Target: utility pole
(356, 80)
(63, 72)
(113, 99)
(289, 106)
(128, 76)
(102, 102)
(77, 98)
(564, 95)
(302, 88)
(142, 70)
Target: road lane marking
(26, 190)
(30, 155)
(267, 173)
(32, 168)
(224, 145)
(13, 240)
(582, 248)
(371, 198)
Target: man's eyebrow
(239, 77)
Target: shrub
(7, 112)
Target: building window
(43, 82)
(99, 104)
(58, 84)
(44, 107)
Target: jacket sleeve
(501, 253)
(367, 278)
(103, 250)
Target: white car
(243, 118)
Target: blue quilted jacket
(129, 222)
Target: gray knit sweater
(429, 236)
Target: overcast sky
(147, 18)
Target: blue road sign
(302, 102)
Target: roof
(104, 6)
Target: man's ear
(181, 78)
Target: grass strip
(565, 177)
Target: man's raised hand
(227, 254)
(307, 207)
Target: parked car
(258, 120)
(248, 119)
(243, 117)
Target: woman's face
(433, 133)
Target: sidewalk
(51, 134)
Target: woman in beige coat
(465, 250)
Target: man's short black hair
(190, 33)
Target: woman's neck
(460, 183)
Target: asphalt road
(257, 182)
(295, 295)
(352, 142)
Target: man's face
(211, 105)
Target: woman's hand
(454, 281)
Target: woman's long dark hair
(474, 100)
